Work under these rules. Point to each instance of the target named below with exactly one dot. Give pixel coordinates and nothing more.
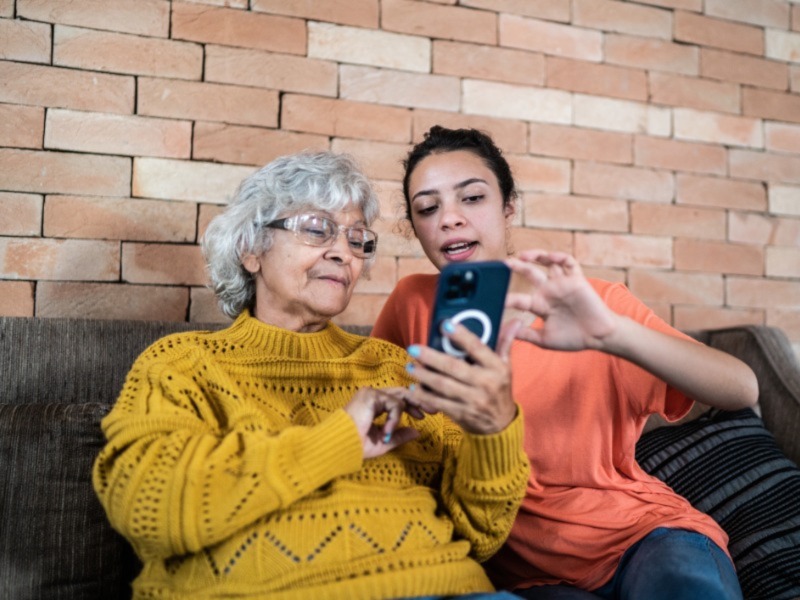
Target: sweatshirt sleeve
(484, 481)
(187, 465)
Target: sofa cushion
(729, 466)
(56, 540)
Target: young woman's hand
(369, 403)
(573, 316)
(474, 394)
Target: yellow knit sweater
(234, 472)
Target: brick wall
(658, 140)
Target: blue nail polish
(387, 438)
(413, 351)
(412, 387)
(448, 326)
(410, 367)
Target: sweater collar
(330, 342)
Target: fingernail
(412, 387)
(410, 367)
(448, 326)
(413, 351)
(387, 438)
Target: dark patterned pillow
(55, 539)
(729, 466)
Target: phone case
(472, 294)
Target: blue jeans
(667, 564)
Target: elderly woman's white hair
(324, 181)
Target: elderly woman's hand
(368, 404)
(475, 394)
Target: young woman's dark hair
(439, 140)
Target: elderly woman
(279, 457)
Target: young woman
(591, 364)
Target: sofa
(59, 377)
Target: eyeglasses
(320, 231)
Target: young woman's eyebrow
(460, 185)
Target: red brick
(67, 88)
(784, 200)
(111, 301)
(409, 266)
(278, 71)
(756, 292)
(199, 101)
(576, 212)
(370, 47)
(204, 307)
(718, 33)
(144, 17)
(540, 174)
(550, 10)
(768, 104)
(21, 126)
(606, 274)
(226, 3)
(614, 181)
(20, 214)
(119, 219)
(621, 115)
(676, 288)
(77, 260)
(651, 54)
(599, 80)
(361, 13)
(125, 53)
(783, 261)
(342, 118)
(504, 100)
(524, 238)
(723, 193)
(704, 94)
(749, 70)
(250, 145)
(63, 172)
(117, 134)
(581, 144)
(448, 22)
(765, 166)
(488, 62)
(619, 250)
(794, 75)
(766, 13)
(795, 17)
(550, 38)
(6, 8)
(677, 221)
(194, 181)
(718, 257)
(25, 40)
(171, 264)
(679, 156)
(622, 17)
(509, 134)
(383, 86)
(16, 298)
(781, 137)
(362, 310)
(379, 160)
(752, 228)
(696, 5)
(718, 128)
(234, 27)
(693, 318)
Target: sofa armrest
(768, 352)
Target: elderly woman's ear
(251, 263)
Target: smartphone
(474, 295)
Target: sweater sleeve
(484, 481)
(186, 464)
